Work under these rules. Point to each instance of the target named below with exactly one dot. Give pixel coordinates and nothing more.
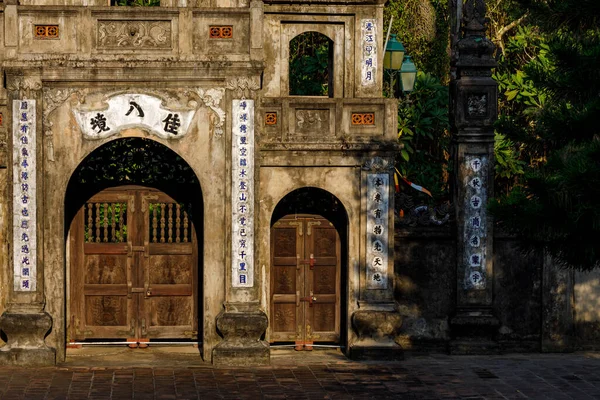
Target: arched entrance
(308, 266)
(133, 263)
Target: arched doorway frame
(275, 184)
(78, 194)
(200, 148)
(341, 226)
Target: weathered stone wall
(425, 274)
(586, 306)
(517, 295)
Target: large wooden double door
(133, 268)
(305, 281)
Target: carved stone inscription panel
(377, 230)
(242, 192)
(134, 110)
(24, 195)
(475, 221)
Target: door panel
(133, 268)
(305, 280)
(286, 280)
(168, 305)
(323, 281)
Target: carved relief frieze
(243, 86)
(134, 34)
(315, 122)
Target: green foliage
(134, 161)
(423, 131)
(517, 144)
(310, 64)
(552, 120)
(509, 166)
(423, 28)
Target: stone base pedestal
(377, 328)
(25, 333)
(241, 331)
(474, 331)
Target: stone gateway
(226, 264)
(162, 179)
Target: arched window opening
(311, 65)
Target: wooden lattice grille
(169, 223)
(105, 222)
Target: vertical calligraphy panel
(377, 231)
(369, 52)
(242, 194)
(24, 195)
(475, 221)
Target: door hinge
(309, 226)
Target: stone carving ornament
(477, 105)
(474, 17)
(53, 98)
(134, 34)
(243, 86)
(312, 120)
(212, 99)
(378, 164)
(24, 83)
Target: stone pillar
(25, 323)
(377, 321)
(473, 112)
(242, 323)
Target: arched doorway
(308, 268)
(134, 210)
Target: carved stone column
(242, 323)
(25, 322)
(377, 321)
(473, 112)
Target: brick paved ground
(320, 376)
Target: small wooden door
(133, 268)
(305, 281)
